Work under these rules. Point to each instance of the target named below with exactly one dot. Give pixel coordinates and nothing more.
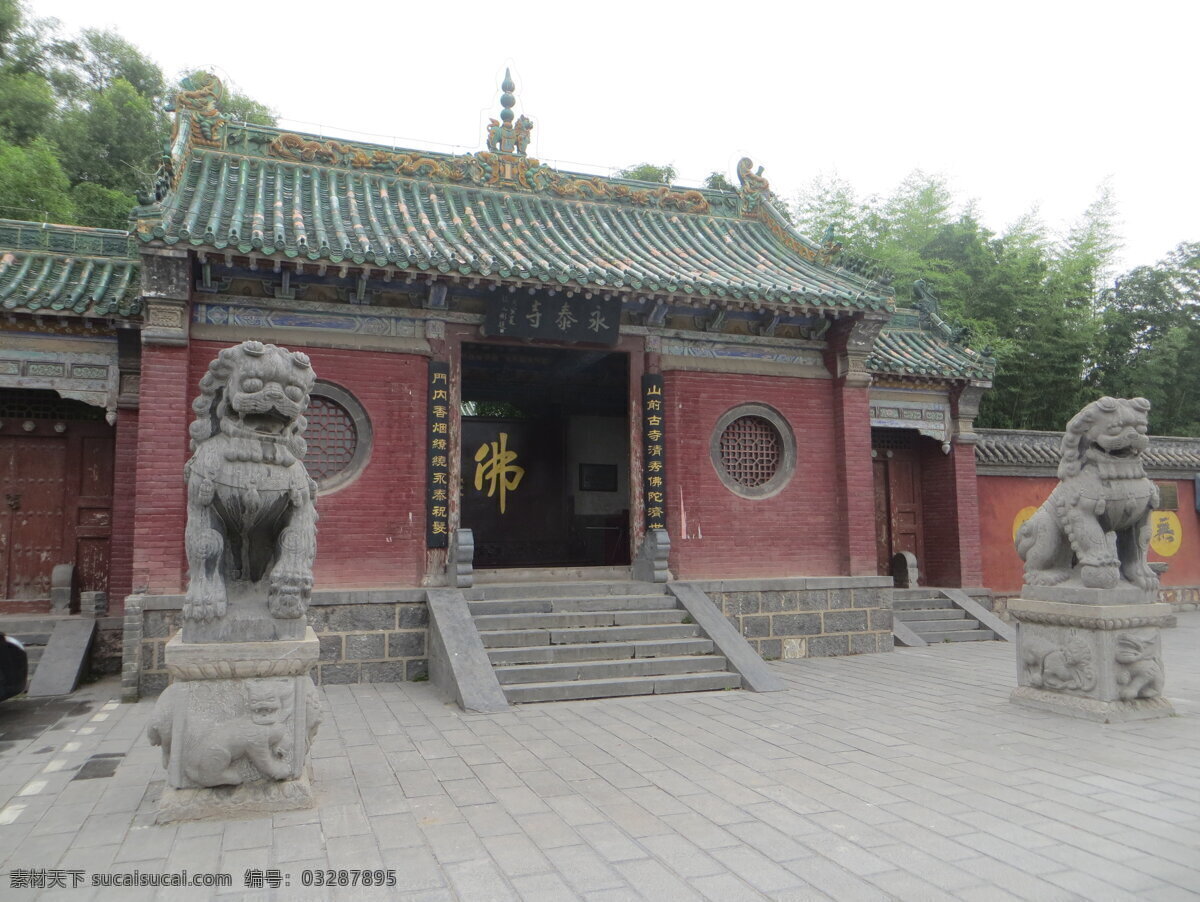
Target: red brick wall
(715, 533)
(856, 478)
(371, 532)
(163, 417)
(120, 562)
(950, 516)
(1002, 498)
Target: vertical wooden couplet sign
(654, 468)
(437, 501)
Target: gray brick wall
(366, 637)
(809, 618)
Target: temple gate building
(602, 380)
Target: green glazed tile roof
(1018, 449)
(905, 348)
(62, 269)
(249, 189)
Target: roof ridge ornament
(502, 135)
(752, 182)
(929, 308)
(200, 97)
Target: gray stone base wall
(1180, 598)
(366, 637)
(106, 653)
(808, 617)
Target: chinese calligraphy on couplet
(437, 501)
(654, 473)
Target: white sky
(1019, 104)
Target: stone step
(647, 685)
(574, 603)
(597, 670)
(932, 627)
(569, 589)
(530, 621)
(934, 614)
(599, 651)
(579, 635)
(977, 635)
(921, 604)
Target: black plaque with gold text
(437, 502)
(654, 467)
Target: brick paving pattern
(893, 776)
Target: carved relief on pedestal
(1139, 666)
(236, 731)
(1049, 665)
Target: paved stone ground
(901, 776)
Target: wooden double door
(898, 518)
(55, 505)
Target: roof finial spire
(507, 99)
(503, 135)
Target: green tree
(26, 106)
(32, 184)
(92, 105)
(1149, 340)
(718, 182)
(104, 208)
(830, 202)
(113, 141)
(106, 58)
(238, 107)
(649, 172)
(1024, 297)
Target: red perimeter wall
(371, 532)
(715, 533)
(1001, 499)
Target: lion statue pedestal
(1088, 620)
(236, 723)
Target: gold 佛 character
(494, 464)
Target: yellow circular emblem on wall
(1022, 515)
(1166, 532)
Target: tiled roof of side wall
(227, 201)
(1026, 449)
(910, 351)
(68, 270)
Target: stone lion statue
(1096, 522)
(251, 513)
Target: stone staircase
(33, 631)
(935, 618)
(585, 639)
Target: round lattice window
(338, 437)
(753, 451)
(750, 451)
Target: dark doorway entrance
(545, 456)
(897, 469)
